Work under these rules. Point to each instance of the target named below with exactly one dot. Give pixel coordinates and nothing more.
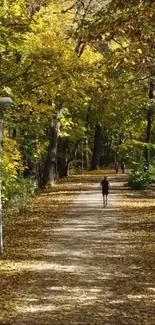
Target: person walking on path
(123, 167)
(105, 190)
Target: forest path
(97, 267)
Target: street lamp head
(5, 101)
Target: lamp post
(4, 101)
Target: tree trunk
(86, 155)
(64, 169)
(86, 151)
(150, 114)
(50, 163)
(96, 150)
(63, 157)
(148, 136)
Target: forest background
(81, 75)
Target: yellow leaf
(139, 51)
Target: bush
(18, 194)
(151, 172)
(140, 179)
(16, 191)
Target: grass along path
(80, 264)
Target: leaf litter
(101, 273)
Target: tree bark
(95, 164)
(63, 157)
(150, 114)
(64, 169)
(67, 153)
(86, 155)
(50, 163)
(86, 151)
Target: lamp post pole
(4, 101)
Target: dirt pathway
(97, 268)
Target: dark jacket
(105, 186)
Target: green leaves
(99, 55)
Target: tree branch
(140, 79)
(13, 78)
(119, 43)
(64, 11)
